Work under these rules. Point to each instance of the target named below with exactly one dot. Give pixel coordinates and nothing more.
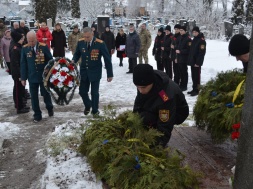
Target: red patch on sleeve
(164, 96)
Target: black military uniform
(163, 106)
(173, 54)
(18, 89)
(166, 52)
(196, 57)
(182, 58)
(157, 51)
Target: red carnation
(236, 126)
(235, 135)
(55, 82)
(62, 61)
(70, 78)
(66, 82)
(54, 71)
(63, 74)
(71, 68)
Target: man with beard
(145, 38)
(108, 38)
(196, 59)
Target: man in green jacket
(145, 38)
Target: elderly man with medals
(91, 49)
(34, 57)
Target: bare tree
(92, 8)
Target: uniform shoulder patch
(164, 115)
(163, 95)
(202, 47)
(42, 44)
(99, 40)
(26, 45)
(81, 39)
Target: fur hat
(177, 26)
(168, 28)
(143, 75)
(239, 45)
(196, 28)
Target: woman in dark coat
(157, 51)
(120, 40)
(58, 43)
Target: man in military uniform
(239, 46)
(34, 57)
(159, 101)
(145, 38)
(91, 49)
(196, 59)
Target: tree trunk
(244, 165)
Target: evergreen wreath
(121, 151)
(61, 76)
(219, 104)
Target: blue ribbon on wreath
(138, 165)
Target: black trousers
(176, 72)
(196, 72)
(9, 67)
(121, 61)
(168, 66)
(159, 65)
(132, 63)
(18, 94)
(183, 74)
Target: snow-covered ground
(68, 170)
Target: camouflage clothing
(145, 38)
(72, 41)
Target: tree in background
(249, 11)
(75, 9)
(63, 6)
(92, 9)
(45, 9)
(237, 10)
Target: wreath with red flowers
(61, 77)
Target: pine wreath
(215, 110)
(119, 150)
